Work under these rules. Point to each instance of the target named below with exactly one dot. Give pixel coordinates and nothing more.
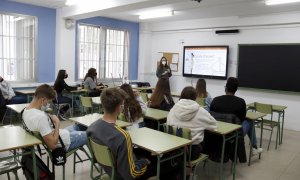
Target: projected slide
(207, 61)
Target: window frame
(103, 44)
(35, 59)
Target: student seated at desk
(161, 97)
(9, 94)
(106, 132)
(134, 107)
(202, 93)
(36, 119)
(232, 104)
(187, 113)
(91, 84)
(61, 85)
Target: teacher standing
(163, 70)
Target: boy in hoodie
(187, 113)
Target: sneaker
(257, 151)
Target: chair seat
(104, 177)
(6, 166)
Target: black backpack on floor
(43, 172)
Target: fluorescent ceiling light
(275, 2)
(156, 14)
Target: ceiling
(183, 9)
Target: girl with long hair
(163, 70)
(134, 107)
(202, 93)
(161, 97)
(90, 83)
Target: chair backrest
(263, 108)
(2, 100)
(122, 117)
(103, 155)
(178, 131)
(86, 102)
(201, 101)
(145, 97)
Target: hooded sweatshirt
(188, 114)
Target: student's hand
(55, 120)
(148, 103)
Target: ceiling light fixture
(71, 2)
(276, 2)
(156, 14)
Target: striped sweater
(119, 142)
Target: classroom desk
(255, 116)
(281, 112)
(28, 92)
(175, 94)
(156, 115)
(144, 88)
(225, 129)
(88, 119)
(18, 138)
(158, 143)
(14, 107)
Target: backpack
(43, 172)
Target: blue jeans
(78, 136)
(18, 99)
(248, 129)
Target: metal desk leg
(222, 158)
(72, 113)
(158, 167)
(184, 163)
(261, 134)
(235, 153)
(280, 140)
(34, 163)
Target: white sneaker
(257, 151)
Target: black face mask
(1, 79)
(66, 76)
(95, 74)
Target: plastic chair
(145, 97)
(267, 109)
(69, 153)
(86, 103)
(101, 154)
(59, 106)
(201, 101)
(186, 133)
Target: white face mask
(164, 62)
(45, 107)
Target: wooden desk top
(277, 108)
(254, 115)
(156, 114)
(224, 128)
(88, 119)
(79, 91)
(155, 141)
(145, 88)
(175, 94)
(26, 91)
(15, 137)
(17, 107)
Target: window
(105, 49)
(17, 47)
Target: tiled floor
(282, 163)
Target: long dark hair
(61, 74)
(131, 105)
(162, 88)
(201, 88)
(91, 73)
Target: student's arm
(67, 87)
(207, 119)
(51, 139)
(169, 71)
(127, 165)
(142, 103)
(243, 111)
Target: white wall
(65, 47)
(167, 37)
